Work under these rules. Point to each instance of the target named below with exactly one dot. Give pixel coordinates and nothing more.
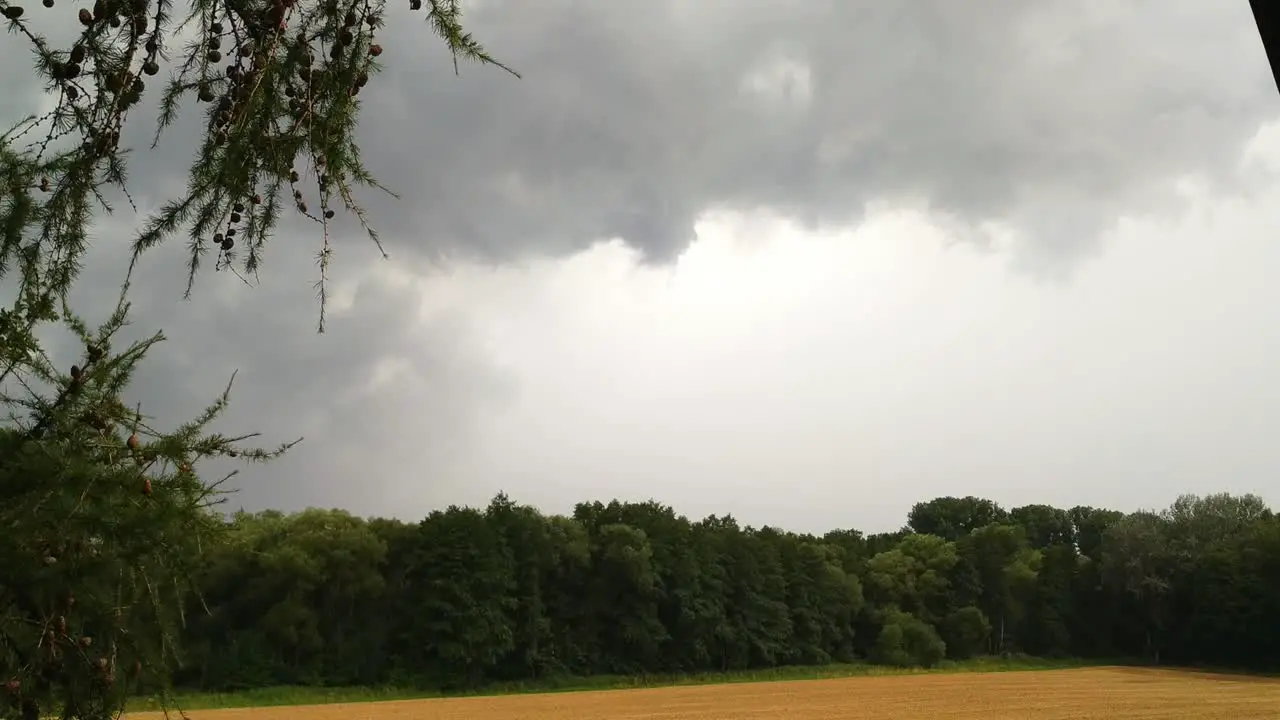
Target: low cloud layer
(634, 117)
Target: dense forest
(469, 596)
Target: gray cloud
(367, 431)
(631, 117)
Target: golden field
(1099, 693)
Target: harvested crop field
(1110, 693)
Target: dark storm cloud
(631, 118)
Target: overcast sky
(805, 262)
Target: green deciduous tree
(906, 641)
(966, 631)
(1136, 563)
(914, 575)
(951, 518)
(458, 624)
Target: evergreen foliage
(103, 517)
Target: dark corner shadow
(1266, 13)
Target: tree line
(469, 596)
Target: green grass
(279, 696)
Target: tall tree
(951, 518)
(1137, 562)
(1006, 570)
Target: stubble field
(1110, 693)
